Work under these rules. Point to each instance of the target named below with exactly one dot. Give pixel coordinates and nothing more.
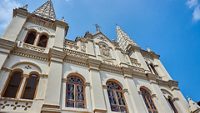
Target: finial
(25, 7)
(63, 19)
(97, 28)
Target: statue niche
(104, 49)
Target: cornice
(20, 12)
(31, 54)
(170, 83)
(6, 44)
(111, 68)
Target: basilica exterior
(42, 72)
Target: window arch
(31, 36)
(171, 103)
(148, 100)
(116, 97)
(151, 67)
(30, 86)
(75, 92)
(13, 84)
(43, 41)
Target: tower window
(148, 101)
(172, 104)
(75, 90)
(43, 41)
(151, 68)
(30, 38)
(116, 97)
(30, 86)
(13, 84)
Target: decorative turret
(193, 106)
(124, 40)
(46, 11)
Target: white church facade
(42, 72)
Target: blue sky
(171, 28)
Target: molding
(31, 54)
(6, 44)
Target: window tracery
(116, 97)
(75, 92)
(148, 101)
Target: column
(16, 25)
(129, 105)
(141, 58)
(159, 99)
(88, 97)
(54, 83)
(3, 56)
(61, 30)
(161, 70)
(180, 101)
(22, 86)
(180, 107)
(98, 101)
(135, 98)
(4, 74)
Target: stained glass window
(75, 92)
(116, 97)
(148, 101)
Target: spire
(46, 11)
(123, 39)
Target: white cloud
(196, 13)
(6, 8)
(192, 3)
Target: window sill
(16, 99)
(85, 110)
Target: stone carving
(15, 105)
(83, 47)
(135, 62)
(104, 49)
(34, 48)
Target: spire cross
(97, 28)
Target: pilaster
(52, 98)
(136, 101)
(14, 28)
(160, 101)
(98, 100)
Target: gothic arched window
(30, 38)
(171, 103)
(13, 84)
(30, 86)
(152, 68)
(116, 97)
(42, 41)
(148, 101)
(75, 92)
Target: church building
(42, 72)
